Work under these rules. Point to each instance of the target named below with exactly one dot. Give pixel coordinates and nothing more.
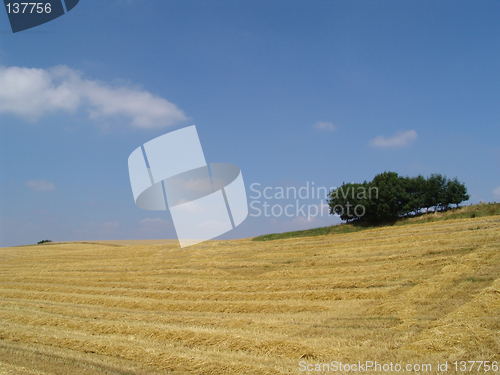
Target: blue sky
(293, 92)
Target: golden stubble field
(412, 294)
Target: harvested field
(413, 294)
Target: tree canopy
(390, 196)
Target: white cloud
(31, 93)
(496, 192)
(40, 185)
(320, 125)
(401, 139)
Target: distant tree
(435, 192)
(390, 196)
(389, 205)
(344, 200)
(455, 193)
(43, 241)
(415, 189)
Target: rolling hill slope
(407, 294)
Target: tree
(389, 205)
(415, 189)
(344, 200)
(390, 196)
(435, 191)
(455, 193)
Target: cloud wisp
(32, 93)
(40, 185)
(325, 126)
(402, 139)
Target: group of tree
(390, 196)
(43, 241)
